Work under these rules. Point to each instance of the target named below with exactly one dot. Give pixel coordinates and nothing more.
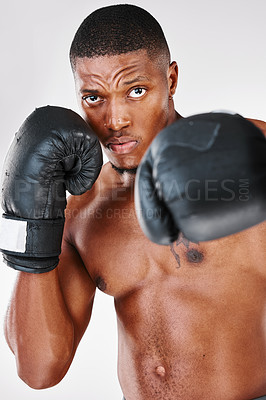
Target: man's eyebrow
(91, 91)
(138, 78)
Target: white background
(220, 50)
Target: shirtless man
(191, 315)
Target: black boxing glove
(53, 151)
(204, 176)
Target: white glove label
(13, 234)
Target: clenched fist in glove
(204, 176)
(53, 151)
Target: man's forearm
(39, 329)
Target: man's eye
(91, 99)
(137, 92)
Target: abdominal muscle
(178, 341)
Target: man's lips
(123, 145)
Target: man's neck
(123, 177)
(177, 116)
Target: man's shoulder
(260, 124)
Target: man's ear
(172, 77)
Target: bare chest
(120, 259)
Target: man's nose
(116, 117)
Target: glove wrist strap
(31, 237)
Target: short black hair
(118, 29)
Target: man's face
(125, 99)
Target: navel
(194, 256)
(160, 370)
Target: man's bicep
(77, 287)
